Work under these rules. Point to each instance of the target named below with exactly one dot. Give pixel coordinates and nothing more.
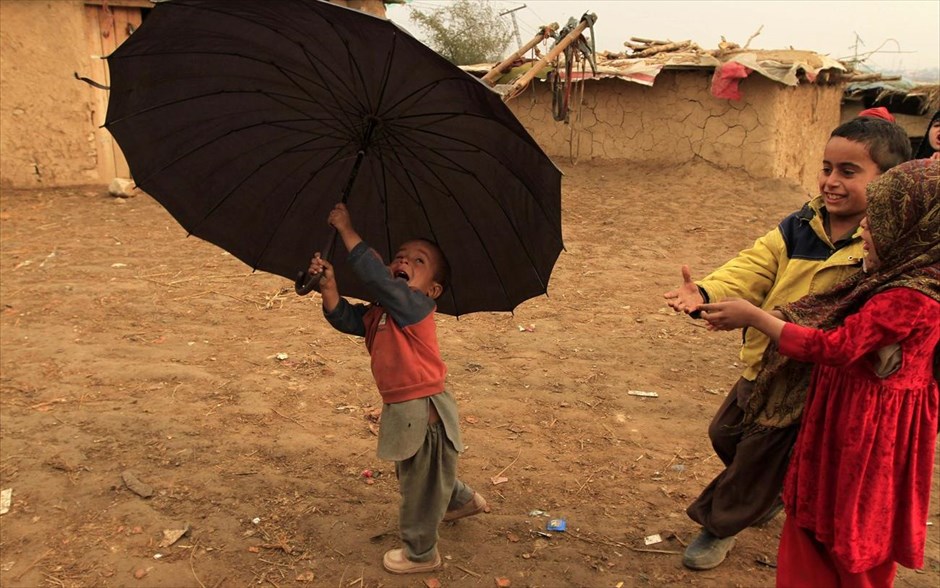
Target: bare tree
(464, 31)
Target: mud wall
(48, 119)
(46, 133)
(774, 131)
(373, 7)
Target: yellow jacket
(795, 259)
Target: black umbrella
(249, 120)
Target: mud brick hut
(677, 107)
(50, 122)
(661, 109)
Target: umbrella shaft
(360, 155)
(370, 128)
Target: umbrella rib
(414, 190)
(492, 198)
(324, 121)
(426, 89)
(387, 72)
(290, 205)
(477, 148)
(383, 189)
(385, 202)
(290, 75)
(212, 140)
(443, 187)
(337, 100)
(241, 183)
(270, 95)
(350, 90)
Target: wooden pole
(519, 85)
(545, 32)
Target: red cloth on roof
(726, 79)
(879, 112)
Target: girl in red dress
(858, 485)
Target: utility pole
(855, 47)
(515, 27)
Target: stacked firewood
(640, 47)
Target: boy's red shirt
(406, 361)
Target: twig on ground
(463, 569)
(666, 467)
(192, 567)
(55, 581)
(217, 293)
(674, 535)
(603, 541)
(663, 551)
(503, 471)
(48, 403)
(331, 548)
(613, 437)
(360, 579)
(32, 565)
(585, 483)
(275, 411)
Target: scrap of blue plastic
(557, 525)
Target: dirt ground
(127, 347)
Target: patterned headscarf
(904, 220)
(924, 150)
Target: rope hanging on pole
(581, 50)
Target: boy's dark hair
(888, 144)
(442, 276)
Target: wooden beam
(494, 74)
(519, 85)
(121, 3)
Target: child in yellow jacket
(809, 252)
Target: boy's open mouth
(401, 274)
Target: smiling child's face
(418, 263)
(846, 172)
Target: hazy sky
(829, 27)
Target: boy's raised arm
(341, 221)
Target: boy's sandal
(475, 505)
(396, 562)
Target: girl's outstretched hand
(731, 313)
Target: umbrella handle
(305, 283)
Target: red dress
(859, 478)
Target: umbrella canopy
(249, 120)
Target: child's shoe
(475, 505)
(707, 551)
(396, 562)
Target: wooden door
(107, 25)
